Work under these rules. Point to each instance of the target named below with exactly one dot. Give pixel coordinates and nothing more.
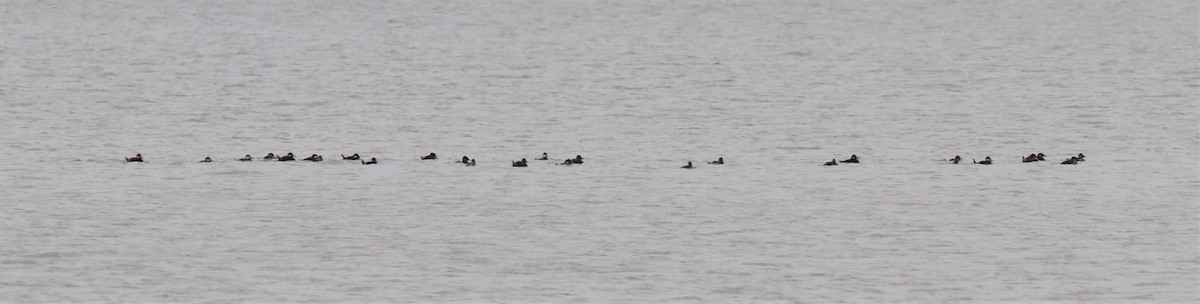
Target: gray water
(638, 89)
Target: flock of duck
(579, 159)
(316, 158)
(1027, 159)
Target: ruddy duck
(853, 159)
(471, 163)
(371, 162)
(568, 162)
(247, 158)
(465, 159)
(831, 162)
(956, 159)
(520, 163)
(207, 160)
(986, 161)
(578, 160)
(430, 156)
(544, 157)
(351, 157)
(1029, 159)
(270, 156)
(135, 159)
(315, 158)
(1070, 161)
(288, 157)
(719, 161)
(688, 166)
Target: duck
(288, 157)
(430, 156)
(956, 159)
(831, 162)
(247, 158)
(578, 160)
(688, 166)
(568, 162)
(351, 157)
(719, 161)
(270, 156)
(1079, 157)
(853, 159)
(520, 163)
(315, 158)
(1029, 159)
(207, 159)
(986, 161)
(543, 157)
(370, 162)
(1070, 161)
(465, 159)
(134, 159)
(471, 163)
(1041, 157)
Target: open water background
(637, 88)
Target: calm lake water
(638, 89)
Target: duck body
(986, 161)
(853, 159)
(1029, 159)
